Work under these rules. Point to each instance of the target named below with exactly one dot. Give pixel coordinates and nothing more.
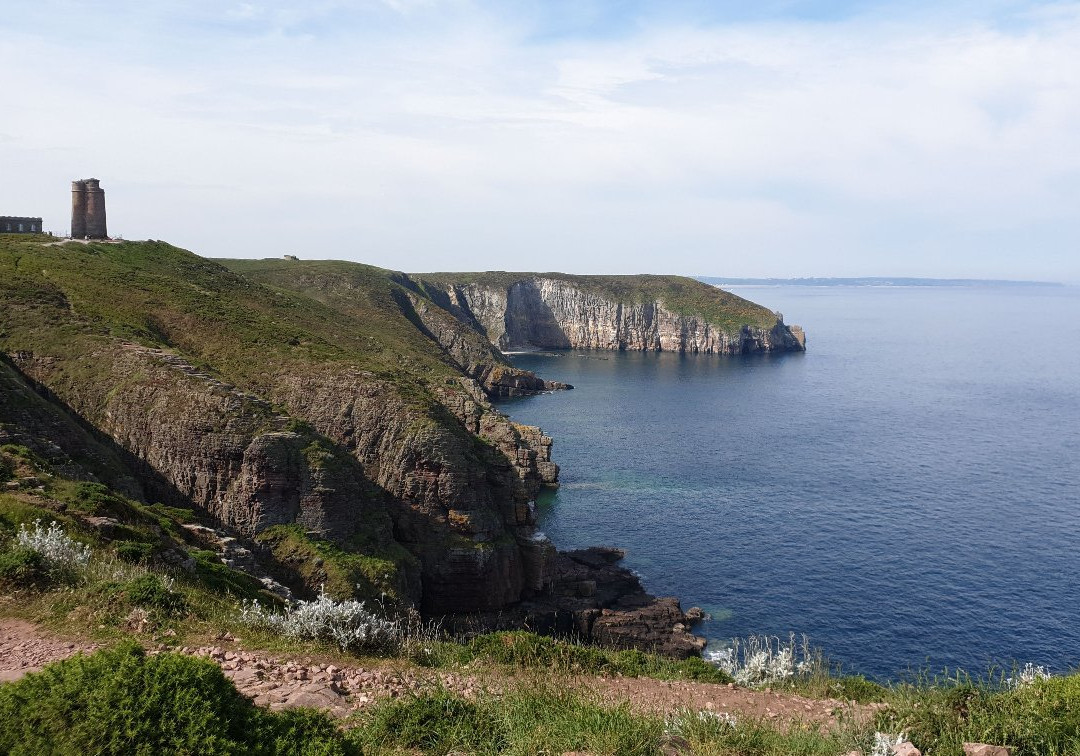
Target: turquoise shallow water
(906, 493)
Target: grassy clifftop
(159, 295)
(681, 295)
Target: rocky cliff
(641, 313)
(262, 409)
(332, 408)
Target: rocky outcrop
(217, 448)
(593, 599)
(538, 312)
(462, 476)
(471, 353)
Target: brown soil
(286, 682)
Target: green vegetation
(220, 578)
(151, 592)
(527, 720)
(160, 296)
(1041, 716)
(122, 701)
(109, 702)
(367, 571)
(526, 650)
(21, 567)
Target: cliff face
(562, 313)
(207, 444)
(262, 408)
(348, 400)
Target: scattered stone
(906, 749)
(984, 749)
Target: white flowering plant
(702, 724)
(59, 550)
(1027, 675)
(764, 659)
(348, 624)
(884, 743)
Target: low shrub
(345, 623)
(121, 701)
(152, 593)
(135, 552)
(21, 567)
(99, 499)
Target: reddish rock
(984, 749)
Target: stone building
(88, 210)
(11, 224)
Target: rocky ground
(292, 682)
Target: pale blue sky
(717, 138)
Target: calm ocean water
(906, 493)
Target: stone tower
(88, 210)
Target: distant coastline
(873, 281)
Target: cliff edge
(337, 414)
(520, 311)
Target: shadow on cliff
(530, 321)
(47, 420)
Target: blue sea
(906, 493)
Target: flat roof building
(13, 224)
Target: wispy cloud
(822, 139)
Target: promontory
(337, 416)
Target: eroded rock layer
(569, 312)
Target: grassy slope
(679, 294)
(158, 295)
(69, 299)
(360, 292)
(357, 289)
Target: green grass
(525, 721)
(939, 715)
(151, 592)
(367, 571)
(525, 650)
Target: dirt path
(25, 648)
(282, 683)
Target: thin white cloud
(455, 140)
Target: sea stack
(88, 210)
